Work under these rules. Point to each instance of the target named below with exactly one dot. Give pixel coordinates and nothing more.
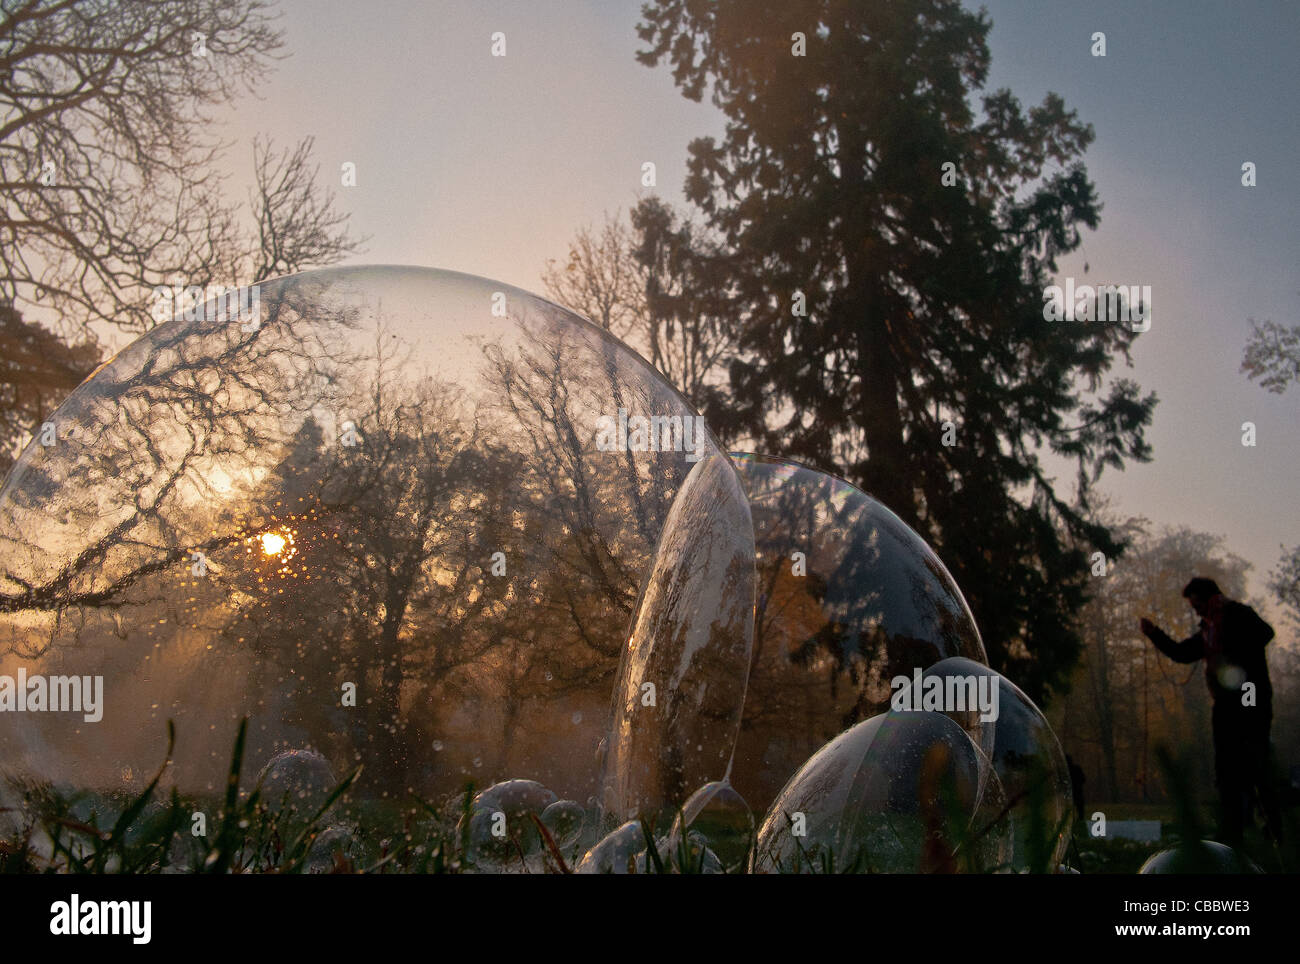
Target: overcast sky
(488, 165)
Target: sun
(278, 547)
(273, 543)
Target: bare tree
(689, 325)
(1284, 582)
(325, 560)
(297, 225)
(107, 157)
(1272, 358)
(655, 286)
(600, 279)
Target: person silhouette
(1231, 640)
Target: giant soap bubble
(1026, 757)
(849, 598)
(681, 685)
(399, 518)
(896, 793)
(846, 596)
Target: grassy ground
(1093, 855)
(152, 833)
(1184, 818)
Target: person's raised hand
(1147, 627)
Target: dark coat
(1242, 638)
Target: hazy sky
(488, 165)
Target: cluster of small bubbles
(500, 826)
(712, 833)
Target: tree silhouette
(924, 300)
(37, 370)
(658, 286)
(1272, 355)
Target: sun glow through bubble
(273, 543)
